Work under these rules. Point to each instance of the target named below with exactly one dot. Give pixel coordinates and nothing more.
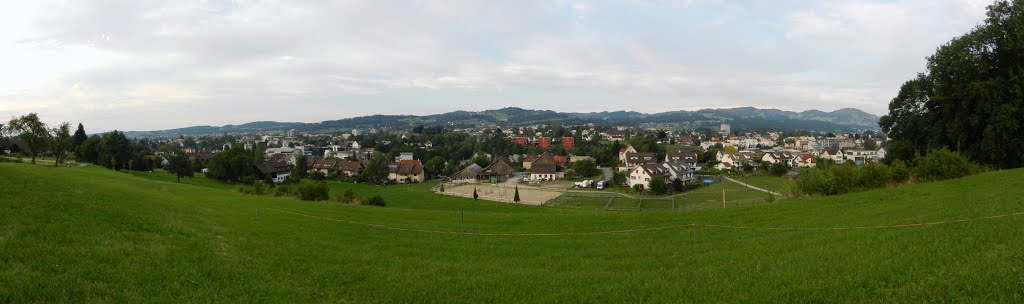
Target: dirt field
(504, 193)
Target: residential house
(546, 169)
(276, 170)
(636, 159)
(861, 157)
(623, 151)
(528, 161)
(777, 157)
(406, 171)
(349, 168)
(834, 154)
(642, 175)
(805, 160)
(689, 158)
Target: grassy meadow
(88, 235)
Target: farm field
(88, 234)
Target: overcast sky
(145, 65)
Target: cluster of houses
(643, 167)
(796, 159)
(280, 161)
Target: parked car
(600, 185)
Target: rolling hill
(741, 118)
(88, 234)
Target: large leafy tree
(180, 166)
(435, 166)
(114, 150)
(61, 142)
(970, 99)
(233, 165)
(376, 171)
(33, 133)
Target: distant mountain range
(842, 120)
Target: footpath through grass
(92, 235)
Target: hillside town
(629, 157)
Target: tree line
(970, 99)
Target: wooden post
(723, 198)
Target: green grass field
(88, 234)
(768, 182)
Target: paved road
(609, 174)
(751, 187)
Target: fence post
(723, 198)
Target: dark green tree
(657, 185)
(79, 138)
(475, 195)
(180, 166)
(60, 143)
(233, 165)
(516, 196)
(377, 170)
(435, 166)
(32, 132)
(301, 165)
(585, 168)
(970, 98)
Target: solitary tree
(516, 197)
(33, 133)
(61, 142)
(475, 195)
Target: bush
(376, 200)
(900, 173)
(348, 197)
(284, 190)
(942, 164)
(875, 176)
(260, 188)
(817, 181)
(778, 169)
(313, 191)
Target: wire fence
(690, 226)
(683, 202)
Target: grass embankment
(92, 235)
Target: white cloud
(158, 64)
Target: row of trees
(970, 98)
(833, 179)
(35, 138)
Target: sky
(150, 65)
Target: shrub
(817, 181)
(260, 188)
(942, 164)
(874, 176)
(778, 169)
(284, 190)
(313, 191)
(900, 173)
(376, 200)
(347, 197)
